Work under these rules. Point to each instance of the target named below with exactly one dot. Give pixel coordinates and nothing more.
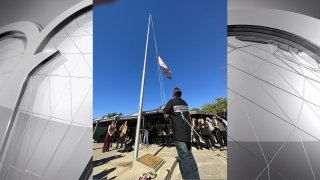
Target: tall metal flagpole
(136, 141)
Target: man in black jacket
(177, 111)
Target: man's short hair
(177, 92)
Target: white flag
(164, 67)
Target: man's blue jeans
(146, 139)
(187, 164)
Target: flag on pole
(164, 67)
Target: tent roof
(134, 116)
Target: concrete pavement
(117, 165)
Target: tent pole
(95, 129)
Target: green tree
(109, 115)
(219, 106)
(195, 109)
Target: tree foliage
(219, 106)
(195, 109)
(109, 115)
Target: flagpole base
(148, 163)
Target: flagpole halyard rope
(154, 37)
(162, 86)
(162, 101)
(163, 96)
(191, 127)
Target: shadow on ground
(97, 148)
(103, 174)
(105, 160)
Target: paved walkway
(117, 165)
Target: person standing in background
(107, 139)
(221, 130)
(146, 136)
(123, 131)
(213, 134)
(114, 136)
(195, 135)
(206, 134)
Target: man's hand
(167, 117)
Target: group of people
(182, 131)
(121, 136)
(212, 131)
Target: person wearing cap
(176, 111)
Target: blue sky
(191, 39)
